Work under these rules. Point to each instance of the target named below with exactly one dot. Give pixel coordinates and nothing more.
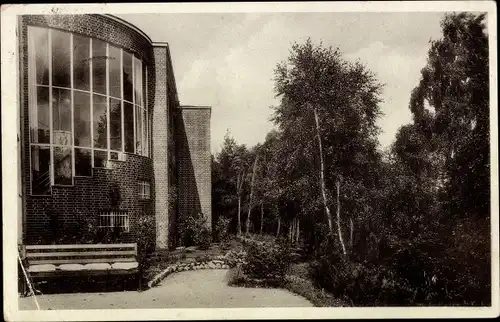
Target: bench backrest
(80, 254)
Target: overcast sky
(227, 60)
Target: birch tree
(327, 118)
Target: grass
(152, 267)
(293, 283)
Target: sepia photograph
(250, 160)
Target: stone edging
(180, 267)
(219, 262)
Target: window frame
(144, 190)
(33, 103)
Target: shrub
(358, 283)
(203, 258)
(194, 230)
(267, 260)
(221, 230)
(146, 236)
(236, 276)
(233, 258)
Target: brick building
(106, 149)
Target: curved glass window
(87, 105)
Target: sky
(227, 60)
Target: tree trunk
(261, 217)
(298, 231)
(352, 233)
(239, 217)
(254, 171)
(338, 218)
(322, 174)
(279, 226)
(239, 186)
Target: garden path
(189, 289)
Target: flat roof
(195, 107)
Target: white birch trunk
(322, 174)
(239, 218)
(297, 234)
(338, 219)
(254, 171)
(352, 233)
(261, 217)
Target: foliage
(146, 236)
(450, 108)
(195, 230)
(267, 260)
(233, 258)
(414, 218)
(221, 230)
(318, 297)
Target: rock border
(219, 262)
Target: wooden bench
(44, 261)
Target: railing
(114, 219)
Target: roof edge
(128, 24)
(204, 107)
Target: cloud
(400, 73)
(227, 60)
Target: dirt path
(190, 289)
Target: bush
(233, 258)
(195, 231)
(267, 260)
(146, 237)
(358, 283)
(221, 231)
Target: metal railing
(114, 219)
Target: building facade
(106, 149)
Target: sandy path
(190, 289)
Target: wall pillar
(160, 146)
(194, 161)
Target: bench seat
(44, 261)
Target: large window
(87, 104)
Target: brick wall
(194, 161)
(160, 153)
(88, 195)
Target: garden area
(320, 210)
(320, 206)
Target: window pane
(113, 155)
(61, 116)
(83, 162)
(138, 127)
(100, 122)
(128, 87)
(100, 158)
(39, 116)
(115, 125)
(82, 119)
(128, 116)
(144, 84)
(61, 62)
(99, 66)
(144, 132)
(40, 170)
(40, 40)
(81, 62)
(62, 166)
(115, 86)
(138, 81)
